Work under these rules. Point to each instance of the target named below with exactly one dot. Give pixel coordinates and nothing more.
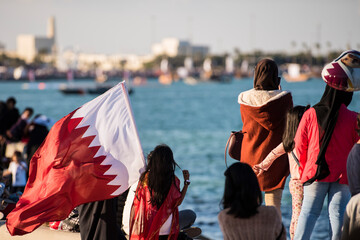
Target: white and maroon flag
(92, 154)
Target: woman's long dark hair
(161, 173)
(293, 117)
(242, 193)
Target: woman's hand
(186, 185)
(186, 175)
(258, 170)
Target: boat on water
(85, 89)
(190, 81)
(100, 85)
(72, 89)
(295, 74)
(165, 77)
(97, 88)
(210, 73)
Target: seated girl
(243, 216)
(154, 213)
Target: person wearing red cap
(324, 138)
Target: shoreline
(44, 232)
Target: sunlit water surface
(195, 121)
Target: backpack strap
(295, 158)
(226, 148)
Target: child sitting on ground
(18, 169)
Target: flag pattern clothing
(92, 154)
(146, 220)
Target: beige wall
(28, 46)
(173, 47)
(44, 43)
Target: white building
(28, 46)
(88, 61)
(173, 47)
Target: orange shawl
(146, 220)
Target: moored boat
(86, 89)
(295, 74)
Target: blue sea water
(195, 121)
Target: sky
(131, 27)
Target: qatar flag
(92, 154)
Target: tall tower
(51, 28)
(51, 34)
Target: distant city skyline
(125, 27)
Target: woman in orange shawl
(154, 212)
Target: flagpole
(128, 104)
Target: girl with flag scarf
(155, 214)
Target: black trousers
(98, 221)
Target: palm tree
(328, 44)
(348, 45)
(293, 46)
(318, 48)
